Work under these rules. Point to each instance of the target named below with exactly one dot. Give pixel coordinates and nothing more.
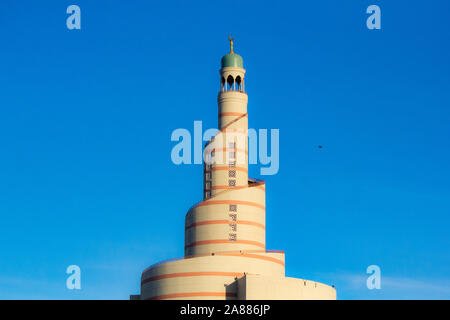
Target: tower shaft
(225, 248)
(231, 216)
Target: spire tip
(231, 43)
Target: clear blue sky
(86, 117)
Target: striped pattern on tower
(231, 216)
(225, 256)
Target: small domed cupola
(232, 60)
(232, 71)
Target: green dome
(232, 60)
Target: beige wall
(207, 277)
(225, 247)
(255, 287)
(209, 225)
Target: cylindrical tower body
(228, 151)
(232, 215)
(225, 247)
(230, 168)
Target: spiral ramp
(225, 250)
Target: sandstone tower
(225, 249)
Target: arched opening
(230, 82)
(238, 83)
(222, 84)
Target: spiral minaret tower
(225, 247)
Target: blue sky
(86, 117)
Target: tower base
(257, 275)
